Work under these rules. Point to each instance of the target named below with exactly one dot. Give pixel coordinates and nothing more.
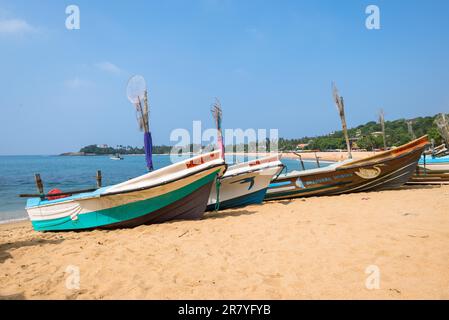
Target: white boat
(245, 183)
(178, 191)
(116, 157)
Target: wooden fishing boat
(245, 183)
(387, 170)
(178, 191)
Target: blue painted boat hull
(248, 199)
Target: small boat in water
(178, 191)
(117, 156)
(387, 170)
(245, 183)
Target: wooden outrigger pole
(382, 125)
(341, 109)
(410, 129)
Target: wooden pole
(317, 161)
(410, 129)
(300, 159)
(39, 184)
(146, 111)
(302, 163)
(382, 125)
(339, 102)
(98, 178)
(345, 128)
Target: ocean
(76, 172)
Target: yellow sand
(316, 248)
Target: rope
(217, 188)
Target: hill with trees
(367, 136)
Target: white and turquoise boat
(178, 191)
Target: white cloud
(15, 26)
(108, 67)
(76, 83)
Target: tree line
(396, 131)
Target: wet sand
(314, 248)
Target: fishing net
(136, 92)
(217, 114)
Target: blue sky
(271, 63)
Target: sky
(271, 64)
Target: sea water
(77, 172)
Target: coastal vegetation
(366, 136)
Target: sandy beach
(314, 248)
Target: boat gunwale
(251, 171)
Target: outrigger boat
(387, 170)
(433, 167)
(245, 183)
(434, 164)
(431, 170)
(178, 191)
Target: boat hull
(182, 199)
(190, 207)
(241, 201)
(243, 189)
(357, 176)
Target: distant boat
(178, 191)
(245, 183)
(117, 156)
(387, 170)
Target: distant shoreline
(329, 156)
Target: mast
(410, 129)
(382, 125)
(339, 102)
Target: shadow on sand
(227, 213)
(4, 248)
(419, 186)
